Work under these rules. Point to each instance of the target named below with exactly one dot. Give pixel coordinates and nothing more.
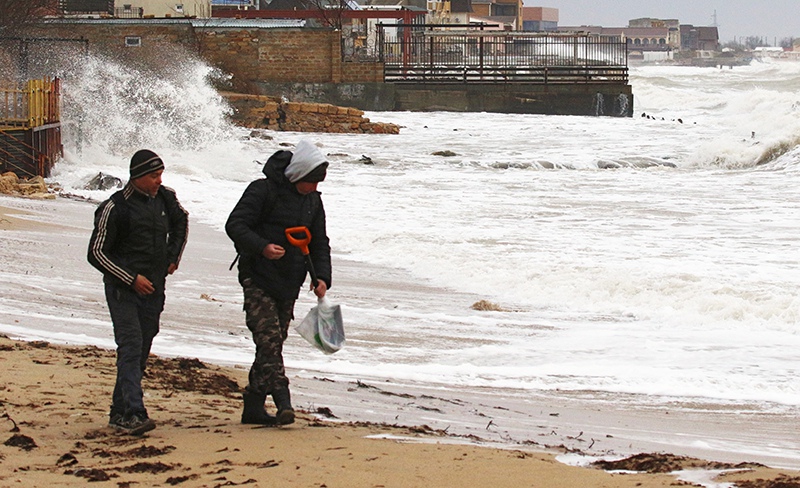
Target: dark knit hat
(317, 174)
(145, 162)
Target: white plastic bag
(323, 327)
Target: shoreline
(57, 437)
(613, 427)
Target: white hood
(305, 158)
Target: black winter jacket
(136, 234)
(266, 209)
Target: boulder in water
(103, 181)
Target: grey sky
(735, 18)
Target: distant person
(138, 238)
(272, 272)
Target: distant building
(505, 12)
(162, 8)
(222, 5)
(86, 7)
(460, 11)
(135, 8)
(673, 27)
(539, 19)
(699, 38)
(650, 22)
(649, 35)
(648, 38)
(644, 43)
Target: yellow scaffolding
(30, 127)
(33, 105)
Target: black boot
(254, 412)
(284, 404)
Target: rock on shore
(266, 112)
(11, 184)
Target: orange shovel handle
(302, 242)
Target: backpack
(269, 204)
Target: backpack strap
(269, 205)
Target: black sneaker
(114, 420)
(136, 424)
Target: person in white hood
(272, 271)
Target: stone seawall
(266, 112)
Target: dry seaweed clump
(666, 463)
(190, 374)
(781, 481)
(487, 306)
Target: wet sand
(508, 438)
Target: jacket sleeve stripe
(97, 247)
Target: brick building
(539, 19)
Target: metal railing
(537, 75)
(20, 157)
(129, 13)
(414, 54)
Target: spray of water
(114, 108)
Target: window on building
(504, 10)
(179, 8)
(126, 7)
(133, 41)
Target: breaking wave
(115, 108)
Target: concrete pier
(614, 100)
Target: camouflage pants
(268, 320)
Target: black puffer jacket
(266, 209)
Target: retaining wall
(305, 65)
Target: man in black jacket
(272, 272)
(138, 238)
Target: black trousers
(136, 323)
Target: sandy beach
(351, 432)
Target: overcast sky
(735, 18)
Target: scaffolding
(30, 127)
